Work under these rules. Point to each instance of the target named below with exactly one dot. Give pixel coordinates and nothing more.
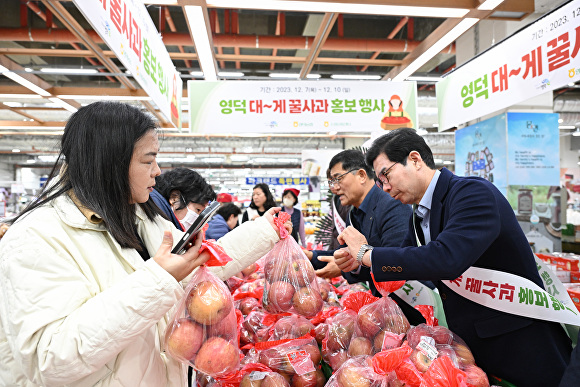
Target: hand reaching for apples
(331, 270)
(179, 266)
(353, 239)
(344, 260)
(269, 215)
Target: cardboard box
(563, 275)
(566, 263)
(575, 277)
(574, 292)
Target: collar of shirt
(425, 204)
(359, 213)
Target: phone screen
(196, 227)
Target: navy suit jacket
(472, 224)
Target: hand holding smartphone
(195, 228)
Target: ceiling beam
(226, 57)
(321, 35)
(20, 112)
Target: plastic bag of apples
(203, 330)
(291, 284)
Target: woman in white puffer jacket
(87, 278)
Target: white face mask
(288, 202)
(189, 218)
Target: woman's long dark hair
(270, 202)
(96, 150)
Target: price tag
(301, 362)
(257, 375)
(427, 347)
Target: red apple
(320, 331)
(276, 269)
(420, 360)
(302, 272)
(185, 340)
(249, 270)
(313, 351)
(274, 379)
(217, 356)
(352, 376)
(414, 334)
(475, 376)
(370, 320)
(442, 335)
(246, 305)
(360, 346)
(337, 359)
(226, 328)
(311, 379)
(209, 302)
(325, 288)
(280, 295)
(463, 353)
(307, 302)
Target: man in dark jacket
(461, 222)
(223, 221)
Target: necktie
(418, 228)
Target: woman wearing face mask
(289, 200)
(182, 194)
(262, 201)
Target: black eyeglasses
(337, 179)
(384, 175)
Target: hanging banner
(301, 106)
(126, 27)
(534, 149)
(480, 150)
(541, 57)
(512, 294)
(278, 180)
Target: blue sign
(278, 180)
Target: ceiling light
(284, 75)
(436, 48)
(448, 162)
(560, 120)
(239, 158)
(30, 161)
(107, 97)
(313, 76)
(566, 127)
(198, 28)
(355, 76)
(13, 104)
(424, 79)
(18, 96)
(576, 133)
(323, 7)
(571, 84)
(15, 150)
(197, 73)
(438, 161)
(24, 82)
(488, 5)
(422, 132)
(64, 104)
(230, 74)
(54, 70)
(332, 133)
(28, 69)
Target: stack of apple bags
(285, 323)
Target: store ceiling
(313, 38)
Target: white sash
(339, 223)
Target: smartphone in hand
(195, 228)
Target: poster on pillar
(541, 57)
(126, 27)
(481, 149)
(301, 106)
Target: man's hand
(331, 270)
(353, 239)
(308, 253)
(179, 266)
(344, 260)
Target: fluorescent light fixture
(332, 133)
(197, 73)
(13, 104)
(20, 96)
(488, 5)
(15, 150)
(284, 75)
(230, 74)
(571, 84)
(422, 132)
(355, 76)
(323, 7)
(436, 48)
(28, 69)
(313, 76)
(239, 158)
(448, 162)
(566, 127)
(205, 55)
(30, 161)
(63, 104)
(24, 82)
(560, 120)
(55, 70)
(576, 133)
(438, 161)
(424, 79)
(106, 97)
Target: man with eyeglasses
(374, 213)
(458, 223)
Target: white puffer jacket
(76, 309)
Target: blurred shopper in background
(289, 200)
(262, 201)
(182, 194)
(224, 221)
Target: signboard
(278, 180)
(480, 150)
(301, 106)
(534, 149)
(125, 26)
(543, 56)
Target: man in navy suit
(461, 222)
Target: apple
(442, 335)
(209, 302)
(475, 376)
(280, 295)
(311, 379)
(186, 339)
(360, 346)
(275, 360)
(249, 270)
(307, 302)
(337, 359)
(420, 360)
(276, 269)
(414, 334)
(370, 320)
(386, 340)
(351, 375)
(314, 353)
(339, 337)
(274, 379)
(217, 356)
(320, 331)
(303, 326)
(463, 353)
(396, 323)
(301, 272)
(246, 305)
(249, 381)
(325, 288)
(226, 328)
